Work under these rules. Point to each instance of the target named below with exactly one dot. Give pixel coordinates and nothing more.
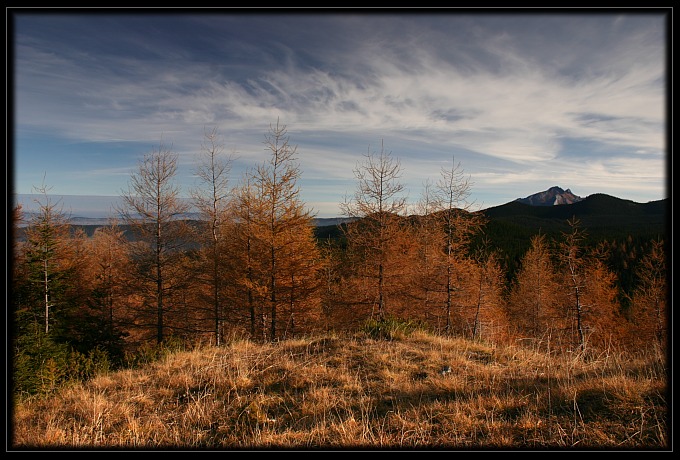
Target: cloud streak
(512, 90)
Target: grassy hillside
(356, 392)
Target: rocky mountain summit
(552, 197)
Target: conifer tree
(428, 235)
(109, 272)
(589, 309)
(574, 276)
(45, 249)
(534, 293)
(489, 320)
(455, 217)
(377, 208)
(650, 298)
(246, 251)
(40, 303)
(283, 259)
(212, 199)
(153, 208)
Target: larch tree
(455, 217)
(111, 265)
(286, 230)
(76, 262)
(153, 208)
(590, 309)
(109, 269)
(489, 319)
(604, 321)
(574, 274)
(534, 294)
(650, 298)
(304, 268)
(246, 245)
(428, 237)
(212, 199)
(377, 208)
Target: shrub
(390, 328)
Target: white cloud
(503, 97)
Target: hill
(597, 211)
(603, 216)
(628, 225)
(414, 391)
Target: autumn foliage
(253, 267)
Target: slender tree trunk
(153, 197)
(291, 322)
(577, 307)
(159, 299)
(480, 296)
(381, 291)
(250, 280)
(47, 302)
(272, 286)
(251, 307)
(159, 283)
(216, 297)
(449, 289)
(579, 325)
(109, 290)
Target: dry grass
(331, 392)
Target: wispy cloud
(512, 89)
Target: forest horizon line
(92, 206)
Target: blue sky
(523, 101)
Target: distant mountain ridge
(602, 216)
(554, 203)
(102, 221)
(512, 224)
(597, 204)
(554, 196)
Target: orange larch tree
(153, 209)
(456, 220)
(282, 244)
(212, 198)
(376, 208)
(589, 309)
(532, 303)
(650, 299)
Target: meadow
(415, 391)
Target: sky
(521, 100)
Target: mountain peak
(552, 197)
